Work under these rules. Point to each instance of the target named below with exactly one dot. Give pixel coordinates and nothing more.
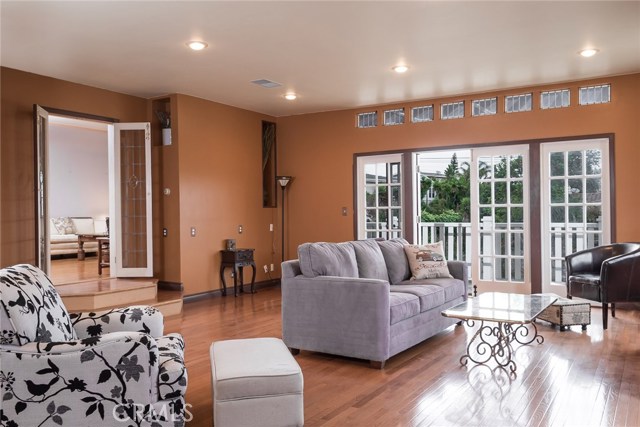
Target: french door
(575, 204)
(130, 205)
(43, 259)
(380, 196)
(500, 219)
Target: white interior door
(500, 219)
(575, 204)
(43, 259)
(130, 237)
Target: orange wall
(213, 170)
(20, 91)
(317, 149)
(220, 158)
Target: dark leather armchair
(606, 274)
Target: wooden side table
(237, 259)
(103, 254)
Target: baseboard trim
(170, 286)
(218, 292)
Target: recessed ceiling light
(588, 53)
(290, 96)
(197, 45)
(400, 69)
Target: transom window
(453, 110)
(595, 94)
(517, 103)
(368, 120)
(554, 99)
(484, 107)
(394, 117)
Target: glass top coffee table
(508, 315)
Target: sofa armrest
(78, 382)
(136, 318)
(458, 269)
(337, 315)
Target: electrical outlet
(193, 232)
(240, 229)
(165, 232)
(271, 267)
(266, 270)
(270, 227)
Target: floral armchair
(111, 368)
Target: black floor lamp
(283, 181)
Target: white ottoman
(256, 382)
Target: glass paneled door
(379, 192)
(575, 204)
(131, 236)
(500, 219)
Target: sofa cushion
(402, 306)
(430, 296)
(33, 306)
(328, 259)
(427, 261)
(62, 225)
(395, 259)
(370, 260)
(451, 288)
(83, 225)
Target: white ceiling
(334, 54)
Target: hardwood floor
(69, 270)
(575, 378)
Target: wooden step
(101, 294)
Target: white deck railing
(565, 239)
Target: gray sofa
(356, 299)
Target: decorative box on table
(566, 312)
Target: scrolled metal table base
(495, 342)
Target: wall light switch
(193, 232)
(165, 232)
(344, 211)
(240, 229)
(270, 227)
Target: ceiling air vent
(266, 83)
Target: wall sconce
(283, 180)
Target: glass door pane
(499, 200)
(131, 238)
(380, 197)
(575, 204)
(133, 213)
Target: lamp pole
(283, 181)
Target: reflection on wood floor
(575, 378)
(70, 270)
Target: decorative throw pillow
(33, 306)
(64, 225)
(427, 261)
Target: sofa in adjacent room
(64, 231)
(358, 299)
